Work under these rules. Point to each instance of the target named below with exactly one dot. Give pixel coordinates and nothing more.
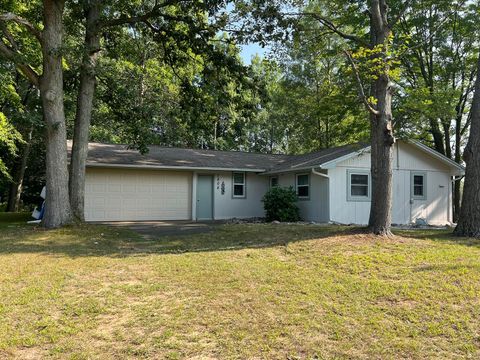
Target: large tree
(184, 30)
(469, 219)
(373, 46)
(50, 83)
(91, 48)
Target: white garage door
(128, 195)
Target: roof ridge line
(193, 149)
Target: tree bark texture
(381, 133)
(84, 109)
(57, 210)
(469, 217)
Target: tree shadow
(443, 235)
(100, 240)
(446, 267)
(94, 240)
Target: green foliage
(380, 59)
(313, 98)
(9, 137)
(438, 70)
(280, 204)
(144, 99)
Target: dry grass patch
(243, 291)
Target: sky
(250, 50)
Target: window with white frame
(418, 185)
(303, 186)
(239, 190)
(273, 181)
(358, 185)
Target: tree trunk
(457, 197)
(381, 133)
(57, 210)
(446, 134)
(84, 110)
(457, 192)
(469, 218)
(15, 191)
(437, 136)
(382, 141)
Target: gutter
(319, 174)
(286, 170)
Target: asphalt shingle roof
(318, 158)
(110, 154)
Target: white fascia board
(332, 164)
(163, 167)
(275, 172)
(437, 155)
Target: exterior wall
(225, 206)
(342, 210)
(435, 209)
(316, 207)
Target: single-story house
(332, 184)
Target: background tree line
(170, 73)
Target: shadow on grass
(444, 235)
(99, 240)
(102, 240)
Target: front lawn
(242, 291)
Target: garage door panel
(114, 188)
(129, 195)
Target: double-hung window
(239, 187)
(303, 186)
(359, 184)
(273, 181)
(418, 185)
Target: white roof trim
(436, 154)
(333, 163)
(163, 167)
(452, 164)
(290, 170)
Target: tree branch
(363, 97)
(155, 11)
(19, 20)
(402, 12)
(433, 32)
(330, 25)
(24, 68)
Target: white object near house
(332, 184)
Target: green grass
(242, 291)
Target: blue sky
(250, 50)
